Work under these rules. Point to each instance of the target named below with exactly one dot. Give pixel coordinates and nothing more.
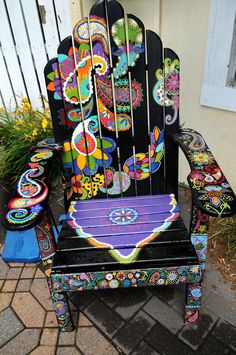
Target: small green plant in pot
(20, 131)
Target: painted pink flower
(172, 82)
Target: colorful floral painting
(127, 278)
(206, 178)
(89, 154)
(166, 90)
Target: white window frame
(214, 92)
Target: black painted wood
(150, 256)
(56, 106)
(171, 127)
(60, 123)
(140, 117)
(125, 142)
(98, 11)
(156, 112)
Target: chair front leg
(62, 309)
(199, 236)
(193, 303)
(47, 248)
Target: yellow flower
(17, 128)
(45, 123)
(35, 132)
(24, 100)
(20, 121)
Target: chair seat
(113, 234)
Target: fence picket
(24, 52)
(50, 28)
(36, 39)
(5, 86)
(8, 48)
(30, 31)
(63, 18)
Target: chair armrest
(210, 189)
(26, 208)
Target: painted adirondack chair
(114, 98)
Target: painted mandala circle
(123, 216)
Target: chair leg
(62, 309)
(193, 303)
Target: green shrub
(20, 131)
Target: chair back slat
(103, 86)
(155, 77)
(60, 125)
(137, 75)
(171, 74)
(86, 62)
(54, 92)
(75, 113)
(121, 92)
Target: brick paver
(111, 322)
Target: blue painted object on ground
(22, 247)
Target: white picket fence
(30, 31)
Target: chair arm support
(210, 189)
(26, 208)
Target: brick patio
(126, 321)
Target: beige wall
(182, 25)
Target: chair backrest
(114, 95)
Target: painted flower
(109, 276)
(195, 269)
(201, 158)
(62, 118)
(172, 82)
(113, 284)
(126, 283)
(98, 154)
(59, 308)
(36, 208)
(202, 229)
(197, 175)
(120, 275)
(172, 276)
(103, 283)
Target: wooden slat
(34, 31)
(86, 56)
(9, 50)
(2, 103)
(24, 52)
(160, 202)
(55, 103)
(63, 18)
(59, 122)
(155, 109)
(125, 138)
(137, 73)
(98, 11)
(5, 86)
(66, 49)
(169, 237)
(179, 254)
(171, 121)
(50, 27)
